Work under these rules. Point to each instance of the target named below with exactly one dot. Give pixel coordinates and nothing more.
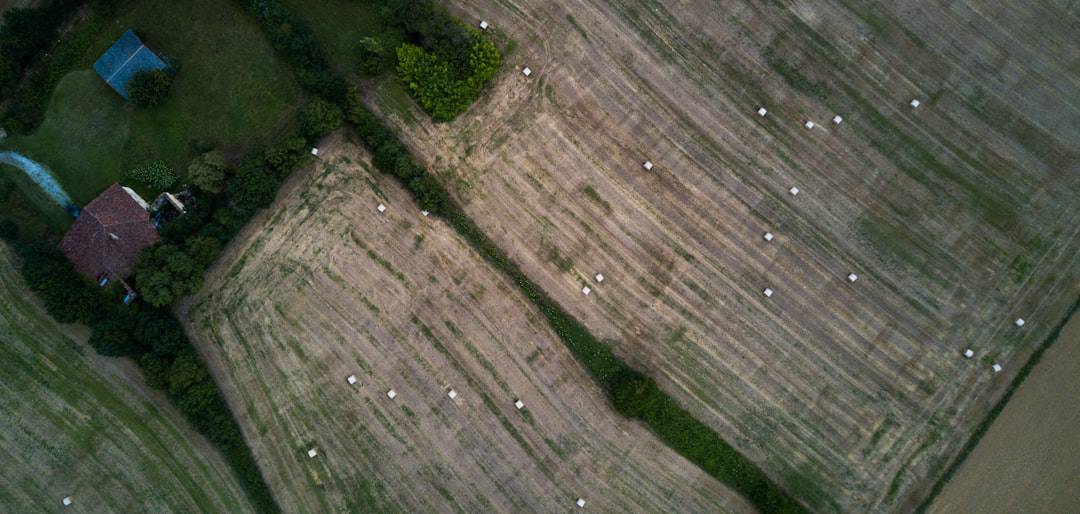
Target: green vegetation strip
(633, 394)
(983, 427)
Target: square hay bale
(314, 151)
(809, 125)
(351, 379)
(586, 290)
(969, 353)
(599, 277)
(915, 103)
(647, 165)
(997, 368)
(837, 119)
(526, 71)
(519, 404)
(66, 501)
(381, 208)
(767, 292)
(852, 277)
(452, 394)
(312, 453)
(424, 213)
(580, 502)
(768, 236)
(391, 394)
(762, 112)
(483, 25)
(794, 191)
(1019, 322)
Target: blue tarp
(126, 57)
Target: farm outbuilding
(108, 234)
(126, 57)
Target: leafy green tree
(155, 174)
(164, 273)
(375, 58)
(637, 396)
(203, 249)
(319, 118)
(149, 88)
(207, 171)
(446, 82)
(112, 336)
(156, 370)
(284, 155)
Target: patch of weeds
(595, 197)
(564, 264)
(577, 26)
(418, 240)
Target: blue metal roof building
(126, 57)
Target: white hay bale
(381, 208)
(997, 368)
(794, 191)
(351, 379)
(424, 213)
(526, 71)
(1019, 322)
(483, 25)
(767, 292)
(768, 236)
(599, 277)
(837, 119)
(452, 394)
(969, 353)
(66, 501)
(519, 404)
(762, 112)
(580, 502)
(852, 277)
(586, 290)
(314, 151)
(391, 394)
(809, 124)
(915, 103)
(312, 453)
(647, 165)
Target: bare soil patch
(1028, 459)
(958, 216)
(324, 286)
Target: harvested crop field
(76, 424)
(957, 216)
(322, 286)
(1028, 460)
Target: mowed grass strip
(79, 425)
(229, 93)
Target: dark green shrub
(319, 118)
(164, 273)
(149, 88)
(9, 230)
(207, 171)
(156, 174)
(375, 58)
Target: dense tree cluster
(25, 34)
(149, 88)
(207, 171)
(446, 65)
(319, 118)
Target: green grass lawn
(230, 93)
(340, 24)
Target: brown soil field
(75, 424)
(1029, 460)
(322, 286)
(958, 216)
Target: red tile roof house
(108, 235)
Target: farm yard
(325, 286)
(79, 425)
(230, 93)
(956, 214)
